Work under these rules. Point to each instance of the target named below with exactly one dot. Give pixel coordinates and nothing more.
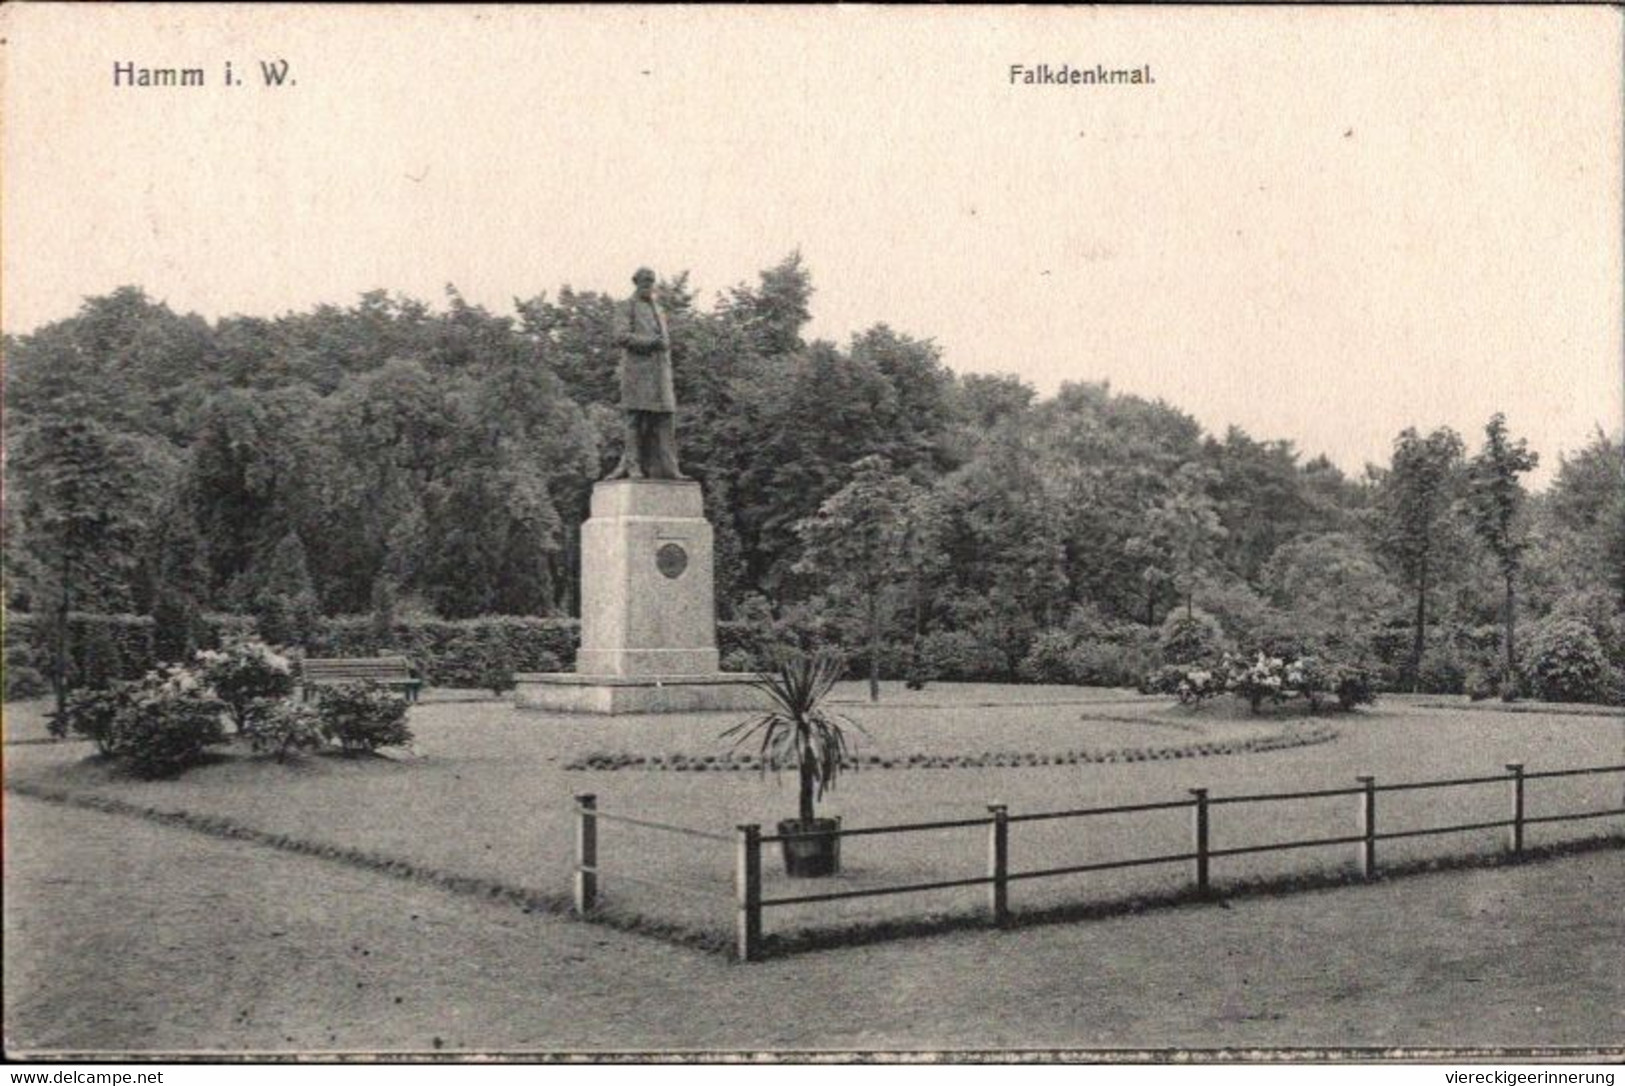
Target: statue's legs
(660, 458)
(649, 449)
(631, 449)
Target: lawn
(486, 794)
(123, 936)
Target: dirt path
(121, 935)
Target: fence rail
(748, 841)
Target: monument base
(570, 692)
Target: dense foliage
(369, 478)
(157, 725)
(361, 717)
(244, 675)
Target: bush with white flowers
(1271, 679)
(164, 722)
(246, 674)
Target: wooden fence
(748, 841)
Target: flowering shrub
(1263, 679)
(1269, 678)
(363, 717)
(245, 673)
(162, 723)
(1191, 685)
(282, 726)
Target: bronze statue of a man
(650, 450)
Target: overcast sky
(1321, 225)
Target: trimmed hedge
(457, 654)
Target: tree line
(391, 458)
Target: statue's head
(645, 281)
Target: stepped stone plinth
(648, 610)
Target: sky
(1318, 224)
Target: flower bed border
(715, 763)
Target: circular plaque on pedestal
(671, 559)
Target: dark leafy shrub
(1351, 683)
(165, 722)
(283, 727)
(286, 619)
(244, 674)
(363, 717)
(90, 714)
(1110, 663)
(1049, 660)
(23, 681)
(1190, 639)
(222, 629)
(496, 675)
(1564, 661)
(1512, 685)
(1443, 671)
(739, 645)
(962, 656)
(1481, 684)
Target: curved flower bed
(717, 763)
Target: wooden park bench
(395, 672)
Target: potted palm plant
(798, 731)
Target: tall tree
(1495, 499)
(1331, 583)
(1186, 529)
(1262, 498)
(1414, 501)
(1586, 507)
(1002, 534)
(857, 547)
(76, 477)
(774, 313)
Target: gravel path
(122, 935)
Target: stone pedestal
(648, 610)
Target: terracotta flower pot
(811, 849)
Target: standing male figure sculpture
(650, 450)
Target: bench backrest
(379, 668)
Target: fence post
(1515, 831)
(998, 863)
(1201, 826)
(748, 891)
(1368, 827)
(586, 853)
